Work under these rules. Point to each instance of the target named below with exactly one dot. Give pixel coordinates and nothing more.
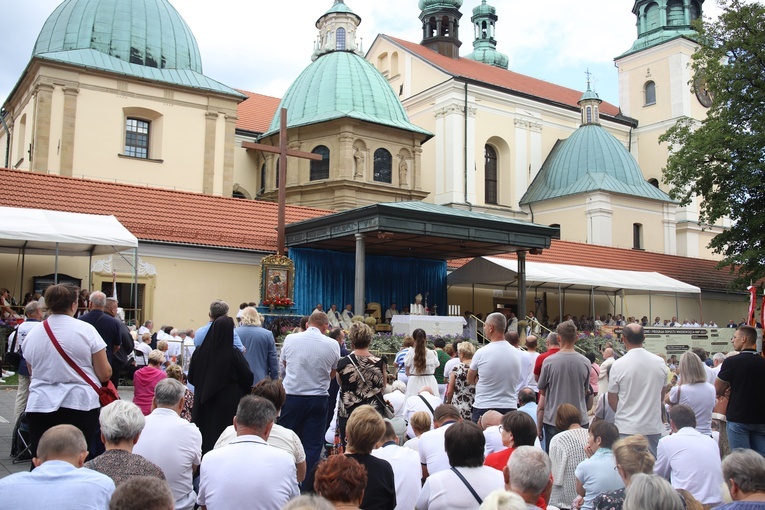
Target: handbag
(13, 358)
(387, 408)
(106, 394)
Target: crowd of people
(320, 423)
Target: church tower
(440, 26)
(657, 87)
(337, 31)
(485, 45)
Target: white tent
(38, 230)
(504, 272)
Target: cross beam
(283, 152)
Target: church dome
(484, 9)
(150, 33)
(489, 55)
(440, 4)
(342, 84)
(591, 159)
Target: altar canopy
(390, 252)
(501, 272)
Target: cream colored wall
(568, 212)
(247, 168)
(102, 102)
(38, 265)
(626, 212)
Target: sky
(262, 46)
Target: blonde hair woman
(694, 391)
(460, 392)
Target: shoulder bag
(467, 484)
(13, 358)
(386, 409)
(106, 394)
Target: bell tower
(485, 44)
(440, 26)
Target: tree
(721, 159)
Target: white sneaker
(8, 373)
(2, 381)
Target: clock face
(700, 88)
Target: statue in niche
(360, 159)
(403, 169)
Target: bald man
(58, 480)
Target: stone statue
(360, 159)
(403, 169)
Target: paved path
(7, 402)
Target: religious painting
(277, 279)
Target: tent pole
(90, 269)
(55, 268)
(701, 311)
(23, 260)
(592, 306)
(360, 279)
(560, 305)
(522, 284)
(135, 286)
(677, 308)
(650, 311)
(472, 306)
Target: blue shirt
(261, 351)
(201, 333)
(598, 475)
(530, 408)
(57, 484)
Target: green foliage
(722, 159)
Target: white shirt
(638, 378)
(141, 361)
(691, 461)
(54, 383)
(245, 472)
(603, 375)
(142, 330)
(499, 371)
(24, 329)
(406, 471)
(309, 357)
(531, 381)
(280, 437)
(711, 375)
(445, 490)
(174, 445)
(415, 404)
(397, 400)
(449, 366)
(526, 368)
(493, 440)
(701, 398)
(433, 451)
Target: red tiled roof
(699, 272)
(255, 112)
(466, 68)
(153, 214)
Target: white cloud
(263, 46)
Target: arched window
(445, 27)
(262, 178)
(653, 182)
(650, 93)
(383, 166)
(675, 13)
(490, 170)
(637, 236)
(589, 115)
(340, 40)
(320, 169)
(394, 63)
(652, 17)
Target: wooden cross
(283, 152)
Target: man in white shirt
(689, 459)
(172, 443)
(34, 314)
(226, 476)
(390, 312)
(495, 370)
(702, 354)
(433, 456)
(490, 422)
(425, 401)
(310, 362)
(146, 328)
(636, 389)
(717, 361)
(527, 365)
(527, 403)
(59, 480)
(406, 467)
(531, 349)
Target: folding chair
(22, 443)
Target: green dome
(145, 32)
(440, 4)
(340, 7)
(591, 159)
(342, 84)
(484, 9)
(489, 55)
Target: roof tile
(255, 112)
(153, 214)
(510, 80)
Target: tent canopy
(39, 230)
(504, 272)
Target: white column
(360, 280)
(599, 221)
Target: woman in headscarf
(221, 377)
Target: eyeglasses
(500, 429)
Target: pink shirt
(594, 376)
(144, 381)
